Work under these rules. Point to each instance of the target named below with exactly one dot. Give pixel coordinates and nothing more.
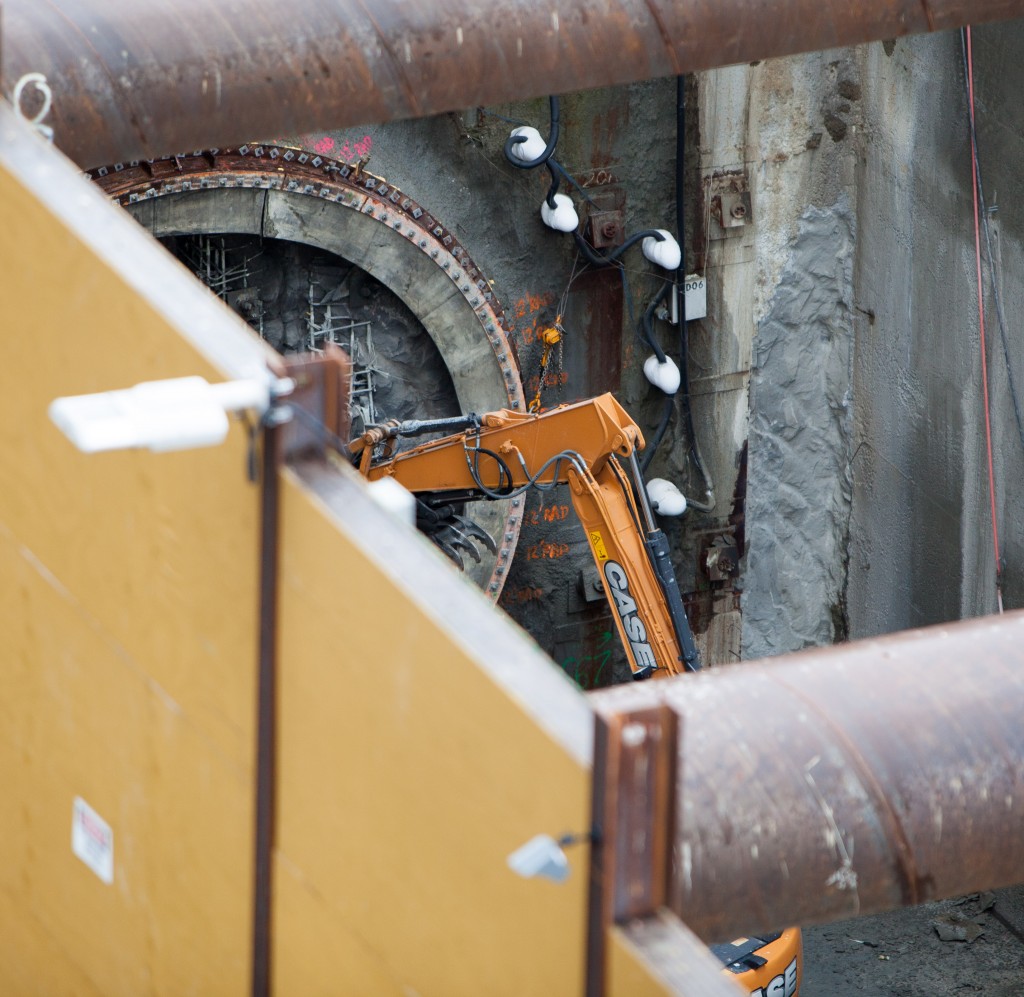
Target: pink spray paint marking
(348, 149)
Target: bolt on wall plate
(734, 209)
(720, 558)
(604, 217)
(606, 229)
(730, 207)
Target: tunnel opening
(308, 251)
(299, 298)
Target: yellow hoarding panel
(128, 613)
(627, 974)
(79, 719)
(412, 764)
(658, 956)
(422, 737)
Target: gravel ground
(900, 954)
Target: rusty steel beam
(137, 80)
(632, 819)
(848, 780)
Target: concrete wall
(999, 64)
(841, 336)
(781, 292)
(867, 504)
(867, 473)
(920, 534)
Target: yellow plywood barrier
(422, 737)
(128, 613)
(412, 763)
(626, 975)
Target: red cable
(981, 321)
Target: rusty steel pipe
(846, 781)
(137, 80)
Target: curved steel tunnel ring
(296, 195)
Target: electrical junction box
(695, 289)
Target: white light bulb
(532, 148)
(665, 498)
(562, 217)
(662, 374)
(665, 253)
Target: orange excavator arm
(581, 445)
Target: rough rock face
(798, 504)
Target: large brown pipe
(135, 80)
(847, 781)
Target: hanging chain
(551, 338)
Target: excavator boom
(579, 445)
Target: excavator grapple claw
(450, 552)
(453, 532)
(474, 530)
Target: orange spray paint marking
(521, 595)
(549, 514)
(552, 380)
(546, 551)
(526, 309)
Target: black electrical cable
(680, 299)
(680, 191)
(988, 249)
(646, 330)
(597, 259)
(546, 158)
(553, 188)
(659, 433)
(553, 164)
(680, 289)
(513, 140)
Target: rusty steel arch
(299, 196)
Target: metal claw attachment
(453, 533)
